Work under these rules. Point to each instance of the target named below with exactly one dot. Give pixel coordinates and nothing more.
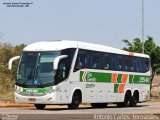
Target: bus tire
(135, 99)
(99, 105)
(127, 100)
(40, 106)
(76, 100)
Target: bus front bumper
(50, 98)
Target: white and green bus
(71, 72)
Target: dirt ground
(155, 91)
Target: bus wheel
(40, 106)
(99, 105)
(76, 100)
(135, 99)
(127, 100)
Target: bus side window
(82, 60)
(106, 65)
(112, 61)
(79, 65)
(64, 65)
(63, 70)
(119, 62)
(86, 60)
(139, 64)
(145, 64)
(96, 62)
(134, 64)
(128, 64)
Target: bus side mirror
(11, 61)
(56, 61)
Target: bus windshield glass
(36, 69)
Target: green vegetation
(150, 48)
(7, 77)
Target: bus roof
(57, 45)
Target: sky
(105, 22)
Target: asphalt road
(84, 112)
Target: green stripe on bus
(37, 90)
(81, 73)
(130, 78)
(139, 79)
(107, 77)
(119, 78)
(116, 88)
(96, 77)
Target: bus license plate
(31, 99)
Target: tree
(19, 48)
(150, 48)
(155, 60)
(7, 77)
(134, 46)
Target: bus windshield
(36, 69)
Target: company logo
(88, 77)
